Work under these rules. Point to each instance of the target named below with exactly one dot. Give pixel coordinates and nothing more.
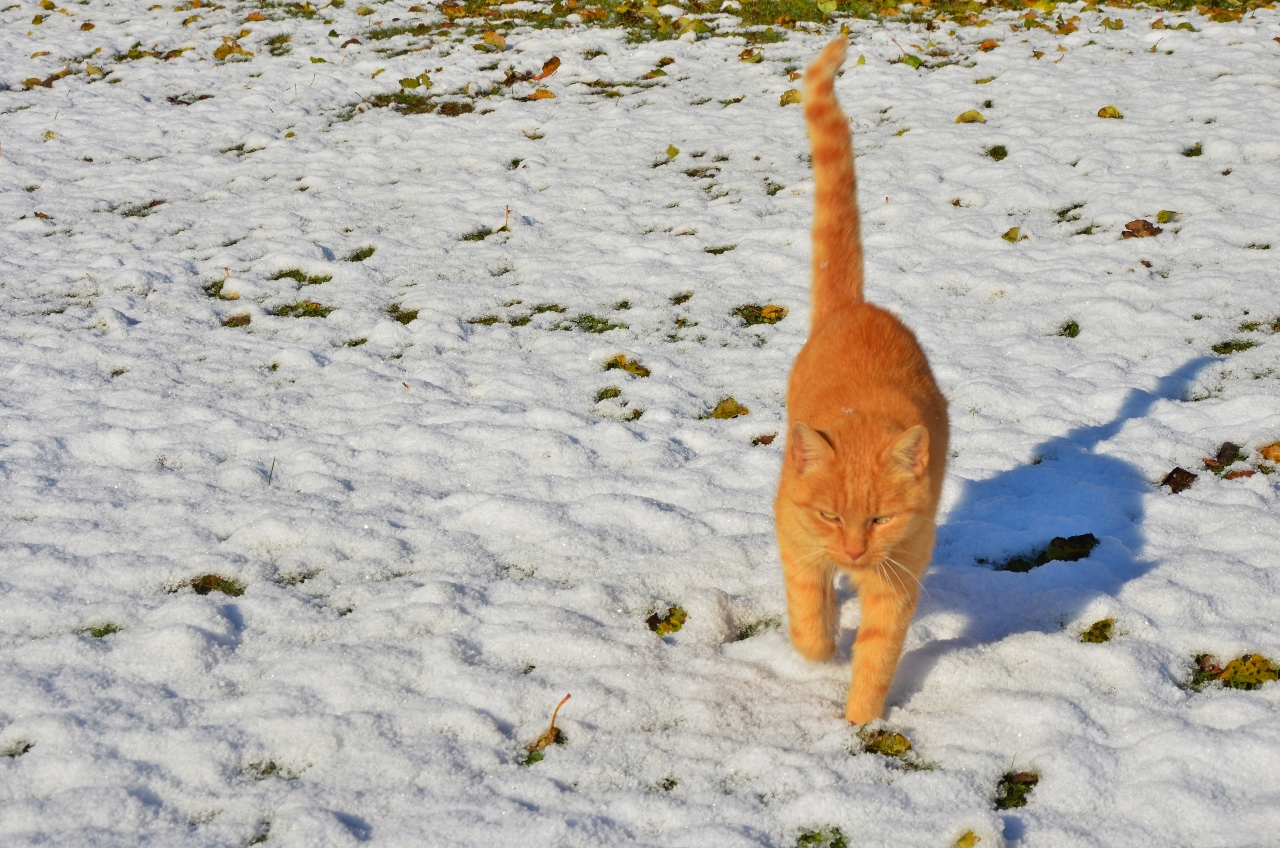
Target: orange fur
(867, 438)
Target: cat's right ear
(808, 448)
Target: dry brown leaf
(1179, 480)
(553, 733)
(1141, 229)
(549, 67)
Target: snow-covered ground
(440, 531)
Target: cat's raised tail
(837, 243)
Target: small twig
(899, 46)
(505, 228)
(272, 472)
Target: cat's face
(855, 497)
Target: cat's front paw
(811, 647)
(859, 711)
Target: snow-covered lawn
(442, 525)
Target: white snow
(441, 532)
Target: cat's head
(855, 490)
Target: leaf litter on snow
(501, 459)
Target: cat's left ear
(911, 451)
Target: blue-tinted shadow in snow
(1072, 490)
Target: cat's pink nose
(854, 553)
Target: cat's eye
(830, 516)
(882, 519)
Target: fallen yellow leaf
(973, 116)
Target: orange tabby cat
(867, 439)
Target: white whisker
(899, 566)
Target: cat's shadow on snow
(1070, 489)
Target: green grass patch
(291, 9)
(827, 837)
(384, 33)
(404, 102)
(631, 366)
(683, 297)
(669, 623)
(304, 309)
(998, 152)
(357, 342)
(1067, 214)
(102, 631)
(142, 210)
(1232, 346)
(278, 45)
(214, 289)
(398, 313)
(768, 35)
(1069, 329)
(17, 749)
(1059, 549)
(1087, 231)
(270, 768)
(360, 254)
(486, 320)
(1013, 789)
(241, 320)
(1099, 631)
(753, 313)
(299, 277)
(716, 251)
(1193, 150)
(479, 234)
(608, 393)
(755, 628)
(589, 323)
(213, 583)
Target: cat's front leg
(886, 615)
(811, 604)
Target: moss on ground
(1099, 631)
(1069, 549)
(213, 583)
